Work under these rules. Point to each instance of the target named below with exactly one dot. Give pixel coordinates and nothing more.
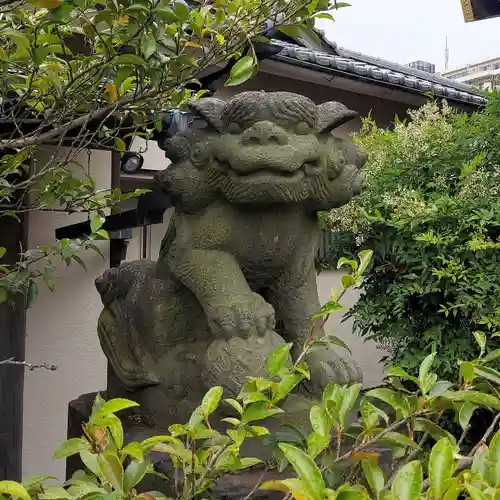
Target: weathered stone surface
(235, 275)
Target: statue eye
(302, 128)
(234, 128)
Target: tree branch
(30, 366)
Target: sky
(407, 30)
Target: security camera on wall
(148, 154)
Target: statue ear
(210, 109)
(333, 114)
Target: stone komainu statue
(236, 276)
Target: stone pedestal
(230, 487)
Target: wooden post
(12, 345)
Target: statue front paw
(326, 366)
(242, 318)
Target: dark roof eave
(388, 75)
(371, 81)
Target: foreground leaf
(441, 466)
(408, 482)
(308, 472)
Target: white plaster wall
(367, 354)
(61, 330)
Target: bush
(334, 460)
(430, 210)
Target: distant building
(423, 66)
(484, 75)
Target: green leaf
(148, 45)
(286, 385)
(329, 307)
(2, 251)
(103, 234)
(481, 341)
(439, 388)
(71, 447)
(493, 462)
(134, 450)
(400, 439)
(437, 433)
(31, 294)
(398, 372)
(258, 430)
(332, 340)
(394, 399)
(80, 261)
(120, 144)
(348, 281)
(34, 481)
(246, 462)
(347, 402)
(178, 430)
(303, 369)
(128, 59)
(306, 469)
(347, 492)
(167, 14)
(492, 356)
(466, 372)
(343, 262)
(488, 373)
(441, 466)
(14, 489)
(112, 470)
(478, 398)
(96, 223)
(316, 443)
(453, 491)
(365, 257)
(465, 414)
(320, 420)
(374, 476)
(408, 482)
(278, 359)
(55, 493)
(134, 473)
(475, 493)
(113, 406)
(3, 295)
(424, 368)
(232, 421)
(242, 71)
(324, 15)
(259, 411)
(89, 459)
(115, 427)
(182, 11)
(211, 401)
(371, 414)
(294, 486)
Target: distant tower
(446, 55)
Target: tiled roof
(366, 67)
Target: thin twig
(257, 484)
(376, 438)
(30, 366)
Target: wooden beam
(477, 10)
(12, 345)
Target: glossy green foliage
(430, 211)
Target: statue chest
(272, 238)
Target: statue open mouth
(275, 174)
